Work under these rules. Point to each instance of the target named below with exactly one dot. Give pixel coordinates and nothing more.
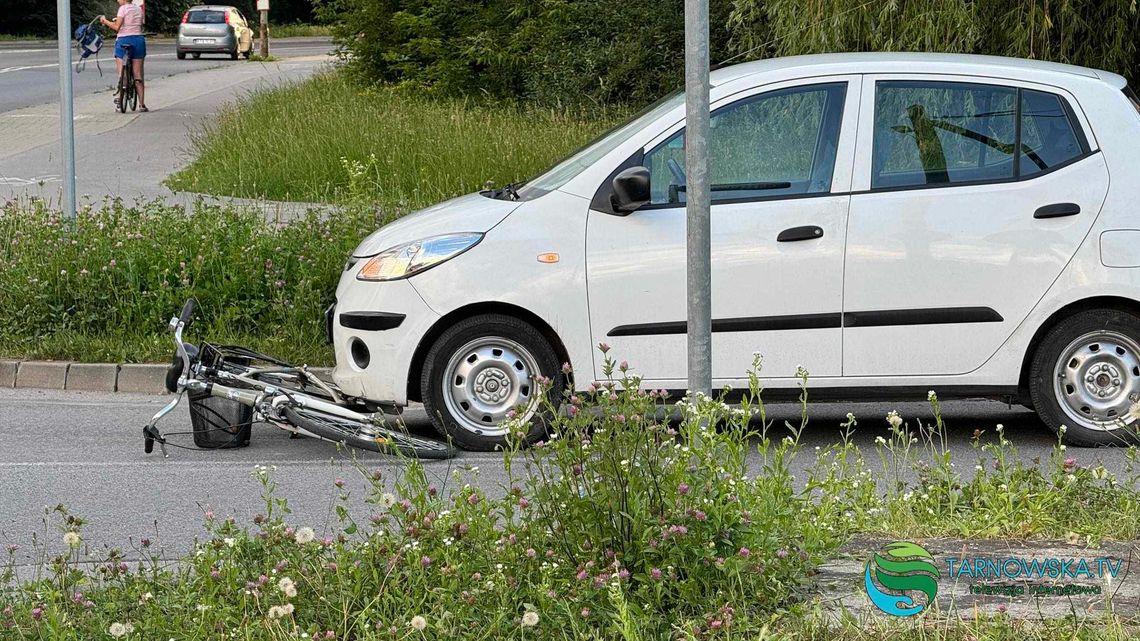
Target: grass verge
(329, 140)
(298, 30)
(618, 527)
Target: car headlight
(414, 257)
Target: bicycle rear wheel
(365, 435)
(124, 86)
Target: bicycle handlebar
(187, 311)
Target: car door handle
(1058, 210)
(807, 232)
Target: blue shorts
(138, 47)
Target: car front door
(971, 197)
(779, 167)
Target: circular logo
(891, 578)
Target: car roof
(887, 62)
(211, 7)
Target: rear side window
(206, 17)
(946, 133)
(1132, 96)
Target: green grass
(329, 140)
(292, 30)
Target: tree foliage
(632, 51)
(37, 17)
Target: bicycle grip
(187, 311)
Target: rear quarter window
(1133, 98)
(206, 17)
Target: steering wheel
(675, 169)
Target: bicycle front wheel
(365, 435)
(124, 87)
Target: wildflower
(339, 482)
(1002, 608)
(523, 503)
(1070, 462)
(71, 539)
(530, 619)
(419, 623)
(744, 553)
(894, 419)
(585, 613)
(304, 535)
(229, 542)
(120, 629)
(473, 499)
(37, 613)
(287, 586)
(603, 347)
(683, 489)
(530, 553)
(655, 573)
(782, 553)
(425, 561)
(387, 499)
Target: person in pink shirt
(128, 24)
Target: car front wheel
(1085, 376)
(480, 371)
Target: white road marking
(56, 64)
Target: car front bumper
(375, 329)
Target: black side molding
(371, 321)
(932, 316)
(1058, 210)
(806, 232)
(833, 320)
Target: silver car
(211, 28)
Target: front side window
(947, 133)
(775, 144)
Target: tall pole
(264, 32)
(66, 108)
(698, 282)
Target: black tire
(124, 89)
(248, 52)
(346, 431)
(1111, 335)
(180, 54)
(463, 333)
(234, 53)
(196, 55)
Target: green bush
(104, 289)
(632, 51)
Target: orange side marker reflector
(548, 258)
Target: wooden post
(263, 9)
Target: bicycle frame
(266, 402)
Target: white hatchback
(892, 223)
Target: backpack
(88, 42)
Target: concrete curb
(146, 378)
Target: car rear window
(1132, 96)
(206, 17)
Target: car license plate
(204, 41)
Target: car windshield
(561, 173)
(206, 17)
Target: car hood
(470, 213)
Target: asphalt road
(85, 450)
(29, 71)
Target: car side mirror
(631, 190)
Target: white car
(893, 223)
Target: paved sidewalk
(129, 155)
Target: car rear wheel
(181, 55)
(481, 370)
(1085, 376)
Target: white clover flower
(304, 535)
(1000, 428)
(201, 607)
(276, 612)
(419, 623)
(880, 440)
(930, 395)
(894, 419)
(229, 542)
(1099, 473)
(287, 586)
(287, 609)
(71, 539)
(530, 619)
(387, 499)
(118, 630)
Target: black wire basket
(219, 423)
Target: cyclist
(128, 24)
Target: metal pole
(66, 107)
(697, 234)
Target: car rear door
(780, 166)
(971, 196)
